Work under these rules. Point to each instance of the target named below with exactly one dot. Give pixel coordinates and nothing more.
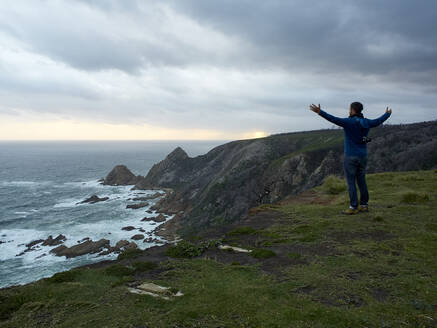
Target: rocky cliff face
(220, 186)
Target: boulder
(131, 245)
(58, 250)
(108, 251)
(159, 218)
(152, 240)
(136, 206)
(53, 242)
(152, 196)
(121, 243)
(87, 247)
(137, 236)
(34, 242)
(128, 228)
(93, 199)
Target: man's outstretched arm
(381, 119)
(331, 118)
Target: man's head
(355, 108)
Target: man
(356, 128)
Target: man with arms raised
(356, 128)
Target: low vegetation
(185, 249)
(129, 253)
(315, 268)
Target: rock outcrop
(137, 237)
(128, 228)
(93, 199)
(121, 175)
(160, 218)
(137, 206)
(165, 173)
(87, 247)
(50, 241)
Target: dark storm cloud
(370, 37)
(393, 37)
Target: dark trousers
(355, 171)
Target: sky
(172, 69)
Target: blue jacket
(354, 130)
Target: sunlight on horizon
(78, 130)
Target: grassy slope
(381, 271)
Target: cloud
(96, 37)
(234, 67)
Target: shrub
(294, 255)
(334, 185)
(185, 249)
(414, 197)
(123, 280)
(129, 253)
(261, 253)
(242, 231)
(144, 266)
(378, 218)
(8, 305)
(65, 276)
(118, 270)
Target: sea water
(41, 184)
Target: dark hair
(357, 106)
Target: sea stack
(121, 175)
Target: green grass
(334, 185)
(261, 253)
(242, 231)
(375, 269)
(414, 197)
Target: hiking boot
(363, 208)
(350, 211)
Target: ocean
(41, 184)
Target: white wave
(43, 262)
(24, 183)
(68, 202)
(85, 184)
(112, 192)
(15, 240)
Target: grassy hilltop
(310, 266)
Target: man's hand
(315, 109)
(388, 110)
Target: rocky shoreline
(163, 233)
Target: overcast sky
(210, 69)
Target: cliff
(220, 186)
